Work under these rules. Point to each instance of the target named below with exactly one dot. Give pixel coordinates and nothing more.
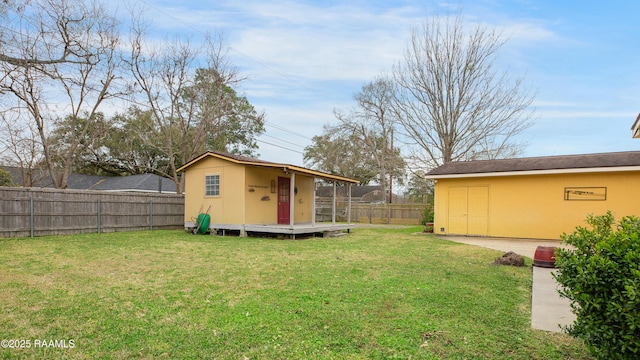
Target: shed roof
(245, 160)
(600, 162)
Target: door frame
(284, 200)
(463, 217)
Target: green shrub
(600, 273)
(427, 215)
(5, 178)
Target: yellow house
(248, 195)
(538, 197)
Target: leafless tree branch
(451, 101)
(67, 45)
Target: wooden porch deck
(324, 228)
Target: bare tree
(20, 146)
(60, 62)
(31, 22)
(162, 75)
(451, 100)
(193, 105)
(372, 122)
(336, 152)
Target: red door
(284, 215)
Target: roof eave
(535, 172)
(190, 163)
(321, 174)
(271, 165)
(301, 170)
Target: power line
(287, 130)
(280, 146)
(285, 141)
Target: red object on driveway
(545, 257)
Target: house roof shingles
(564, 163)
(241, 158)
(356, 191)
(141, 182)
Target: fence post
(99, 230)
(389, 213)
(150, 214)
(31, 215)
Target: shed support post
(292, 195)
(313, 203)
(349, 205)
(333, 204)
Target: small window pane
(212, 185)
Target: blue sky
(306, 58)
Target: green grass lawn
(375, 294)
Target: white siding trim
(535, 172)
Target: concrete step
(334, 233)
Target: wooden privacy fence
(404, 214)
(39, 212)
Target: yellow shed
(248, 195)
(537, 197)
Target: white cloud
(585, 114)
(528, 33)
(333, 43)
(304, 58)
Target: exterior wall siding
(534, 206)
(227, 208)
(261, 203)
(246, 195)
(303, 201)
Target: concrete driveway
(548, 310)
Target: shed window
(212, 185)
